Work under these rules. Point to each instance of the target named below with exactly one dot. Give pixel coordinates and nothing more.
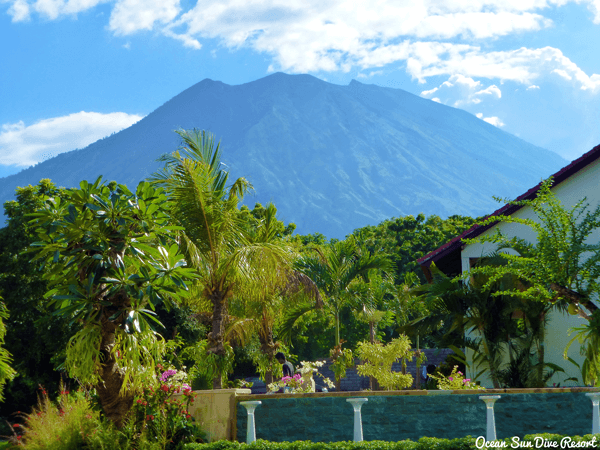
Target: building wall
(399, 415)
(585, 183)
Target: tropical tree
(408, 238)
(214, 237)
(370, 296)
(6, 371)
(37, 336)
(562, 268)
(463, 308)
(110, 254)
(333, 269)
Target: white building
(579, 179)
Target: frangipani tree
(112, 255)
(213, 237)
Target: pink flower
(167, 374)
(451, 379)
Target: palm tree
(335, 268)
(213, 236)
(262, 309)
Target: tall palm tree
(213, 236)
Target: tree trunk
(541, 351)
(337, 328)
(114, 404)
(268, 377)
(217, 335)
(268, 348)
(490, 357)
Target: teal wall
(396, 417)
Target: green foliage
(63, 425)
(409, 238)
(425, 443)
(218, 239)
(208, 365)
(455, 380)
(110, 256)
(161, 415)
(334, 268)
(378, 360)
(562, 268)
(342, 359)
(37, 336)
(7, 373)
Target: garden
(127, 315)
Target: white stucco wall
(585, 183)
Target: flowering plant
(289, 384)
(454, 381)
(303, 381)
(309, 369)
(164, 418)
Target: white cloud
(465, 89)
(429, 37)
(532, 87)
(26, 145)
(491, 120)
(19, 11)
(52, 9)
(129, 16)
(521, 65)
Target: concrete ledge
(241, 397)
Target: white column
(595, 398)
(251, 431)
(491, 422)
(357, 404)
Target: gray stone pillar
(251, 431)
(357, 404)
(490, 421)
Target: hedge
(545, 440)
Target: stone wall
(398, 415)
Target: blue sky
(74, 71)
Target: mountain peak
(332, 159)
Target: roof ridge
(507, 209)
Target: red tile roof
(560, 176)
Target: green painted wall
(396, 417)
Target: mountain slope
(332, 158)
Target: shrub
(454, 381)
(160, 417)
(62, 425)
(425, 443)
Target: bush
(160, 417)
(62, 425)
(425, 443)
(157, 421)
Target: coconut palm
(213, 235)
